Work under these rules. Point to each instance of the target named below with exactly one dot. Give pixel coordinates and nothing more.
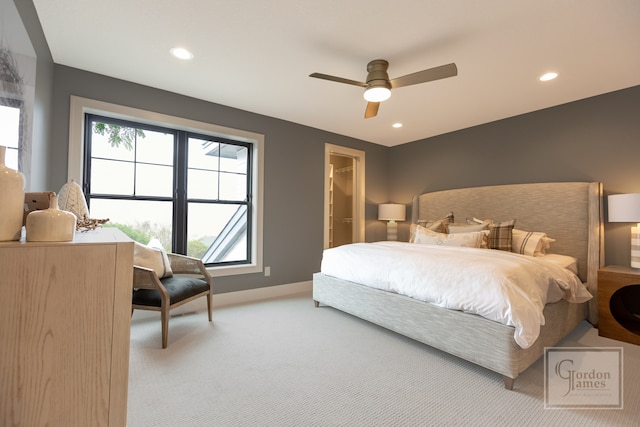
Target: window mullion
(180, 163)
(86, 179)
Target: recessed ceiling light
(397, 125)
(548, 76)
(182, 53)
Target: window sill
(234, 270)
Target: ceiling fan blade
(372, 110)
(337, 79)
(436, 73)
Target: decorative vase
(71, 198)
(51, 225)
(11, 201)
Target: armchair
(190, 280)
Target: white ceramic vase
(51, 225)
(71, 198)
(11, 201)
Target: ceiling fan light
(548, 76)
(377, 94)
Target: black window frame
(179, 197)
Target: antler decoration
(87, 224)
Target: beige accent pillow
(153, 258)
(432, 225)
(470, 240)
(439, 225)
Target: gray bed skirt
(468, 336)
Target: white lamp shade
(392, 212)
(624, 207)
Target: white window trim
(80, 106)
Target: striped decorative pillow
(532, 243)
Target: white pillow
(152, 257)
(432, 225)
(532, 243)
(425, 236)
(468, 226)
(439, 225)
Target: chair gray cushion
(179, 288)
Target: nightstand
(619, 303)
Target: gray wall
(43, 96)
(293, 169)
(595, 139)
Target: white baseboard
(232, 298)
(259, 294)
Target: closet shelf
(345, 169)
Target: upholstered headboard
(569, 212)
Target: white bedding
(498, 285)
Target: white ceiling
(257, 55)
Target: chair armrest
(145, 278)
(182, 264)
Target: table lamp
(392, 212)
(626, 208)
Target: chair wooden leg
(209, 305)
(165, 326)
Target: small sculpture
(86, 224)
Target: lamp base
(635, 247)
(392, 231)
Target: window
(188, 190)
(194, 186)
(10, 131)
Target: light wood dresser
(65, 313)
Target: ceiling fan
(378, 86)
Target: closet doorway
(344, 196)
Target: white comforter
(498, 285)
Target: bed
(569, 212)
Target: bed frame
(569, 212)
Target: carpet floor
(283, 362)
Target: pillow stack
(479, 233)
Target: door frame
(358, 189)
